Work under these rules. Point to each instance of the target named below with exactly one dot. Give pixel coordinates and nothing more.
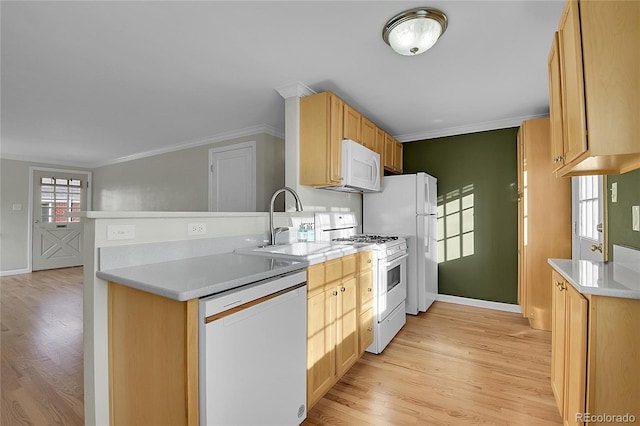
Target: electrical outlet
(196, 228)
(120, 232)
(635, 213)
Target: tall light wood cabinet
(599, 75)
(368, 133)
(352, 127)
(392, 155)
(544, 221)
(595, 353)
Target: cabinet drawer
(365, 260)
(365, 333)
(333, 270)
(315, 277)
(349, 265)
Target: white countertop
(599, 278)
(200, 276)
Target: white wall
(14, 224)
(178, 180)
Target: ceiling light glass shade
(414, 31)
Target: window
(589, 188)
(57, 197)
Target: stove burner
(368, 238)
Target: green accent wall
(483, 164)
(619, 214)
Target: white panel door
(232, 182)
(587, 211)
(56, 239)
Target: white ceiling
(92, 83)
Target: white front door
(56, 239)
(587, 212)
(232, 182)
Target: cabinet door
(574, 119)
(379, 148)
(558, 321)
(365, 330)
(347, 326)
(352, 123)
(555, 106)
(397, 157)
(365, 283)
(388, 152)
(368, 133)
(335, 139)
(576, 356)
(321, 358)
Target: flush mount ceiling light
(414, 31)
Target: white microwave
(360, 169)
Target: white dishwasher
(253, 350)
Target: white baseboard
(14, 272)
(479, 303)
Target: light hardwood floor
(42, 376)
(454, 365)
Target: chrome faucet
(276, 231)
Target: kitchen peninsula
(144, 273)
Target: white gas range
(389, 267)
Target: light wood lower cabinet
(365, 300)
(595, 355)
(335, 321)
(153, 358)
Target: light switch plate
(614, 192)
(635, 214)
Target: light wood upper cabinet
(321, 118)
(600, 80)
(544, 221)
(594, 353)
(352, 126)
(555, 106)
(325, 120)
(368, 132)
(392, 154)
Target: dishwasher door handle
(247, 305)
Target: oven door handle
(386, 264)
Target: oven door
(392, 285)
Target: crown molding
(470, 128)
(249, 131)
(296, 89)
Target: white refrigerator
(407, 207)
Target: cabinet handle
(343, 289)
(369, 329)
(368, 260)
(369, 289)
(335, 293)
